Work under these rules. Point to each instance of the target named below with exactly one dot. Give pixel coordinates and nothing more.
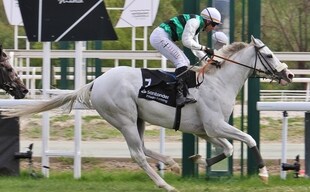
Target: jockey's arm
(188, 36)
(190, 39)
(198, 53)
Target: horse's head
(9, 80)
(267, 63)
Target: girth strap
(177, 118)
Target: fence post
(307, 143)
(9, 145)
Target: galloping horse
(9, 80)
(114, 95)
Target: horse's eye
(269, 56)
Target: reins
(197, 63)
(258, 55)
(226, 59)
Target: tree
(285, 26)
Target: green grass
(134, 181)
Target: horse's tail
(67, 100)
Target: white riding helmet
(211, 14)
(220, 37)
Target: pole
(98, 62)
(253, 86)
(45, 116)
(284, 143)
(307, 143)
(190, 142)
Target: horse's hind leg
(130, 132)
(127, 125)
(167, 160)
(136, 150)
(221, 142)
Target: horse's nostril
(290, 76)
(25, 91)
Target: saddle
(160, 86)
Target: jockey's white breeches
(161, 41)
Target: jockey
(184, 28)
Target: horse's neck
(233, 76)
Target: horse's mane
(226, 51)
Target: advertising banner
(12, 12)
(66, 20)
(138, 13)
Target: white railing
(33, 74)
(288, 95)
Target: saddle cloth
(160, 86)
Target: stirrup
(181, 101)
(190, 100)
(184, 101)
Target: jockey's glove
(216, 63)
(208, 51)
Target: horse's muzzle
(21, 94)
(286, 77)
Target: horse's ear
(253, 39)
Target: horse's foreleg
(263, 173)
(230, 132)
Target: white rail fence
(31, 74)
(290, 106)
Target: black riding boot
(182, 89)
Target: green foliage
(286, 24)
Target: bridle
(270, 72)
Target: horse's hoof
(175, 168)
(195, 157)
(198, 159)
(264, 179)
(263, 174)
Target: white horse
(114, 95)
